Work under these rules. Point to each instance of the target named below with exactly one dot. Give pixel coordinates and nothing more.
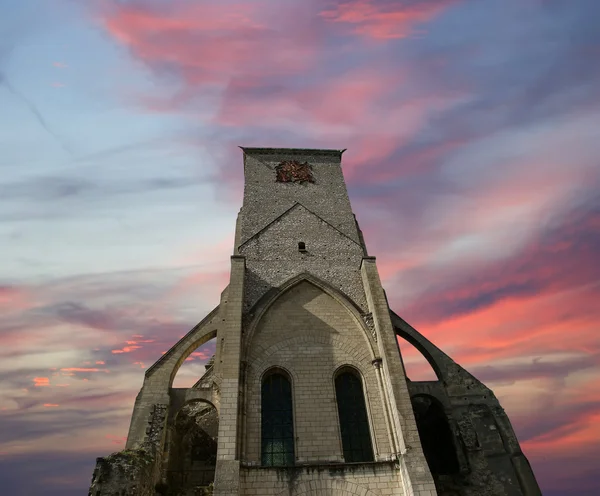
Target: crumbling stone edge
(133, 472)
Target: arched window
(354, 424)
(277, 426)
(436, 435)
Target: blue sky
(473, 137)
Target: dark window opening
(354, 423)
(302, 246)
(436, 436)
(277, 423)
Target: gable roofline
(297, 204)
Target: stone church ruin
(307, 392)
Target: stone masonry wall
(330, 255)
(265, 199)
(361, 479)
(310, 335)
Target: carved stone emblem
(292, 171)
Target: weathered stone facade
(305, 300)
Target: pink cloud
(203, 355)
(257, 56)
(210, 43)
(51, 405)
(196, 280)
(83, 369)
(41, 381)
(380, 21)
(125, 349)
(132, 345)
(520, 326)
(60, 65)
(14, 298)
(416, 366)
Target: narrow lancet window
(354, 423)
(277, 424)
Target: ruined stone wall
(486, 449)
(192, 449)
(134, 472)
(491, 462)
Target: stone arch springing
(165, 368)
(188, 348)
(417, 366)
(436, 435)
(195, 366)
(277, 418)
(421, 348)
(353, 417)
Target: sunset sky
(473, 166)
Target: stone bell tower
(306, 393)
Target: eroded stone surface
(133, 472)
(304, 297)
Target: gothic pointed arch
(310, 329)
(262, 306)
(446, 369)
(166, 367)
(422, 344)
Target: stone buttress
(305, 307)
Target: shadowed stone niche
(436, 436)
(193, 450)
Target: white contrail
(34, 110)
